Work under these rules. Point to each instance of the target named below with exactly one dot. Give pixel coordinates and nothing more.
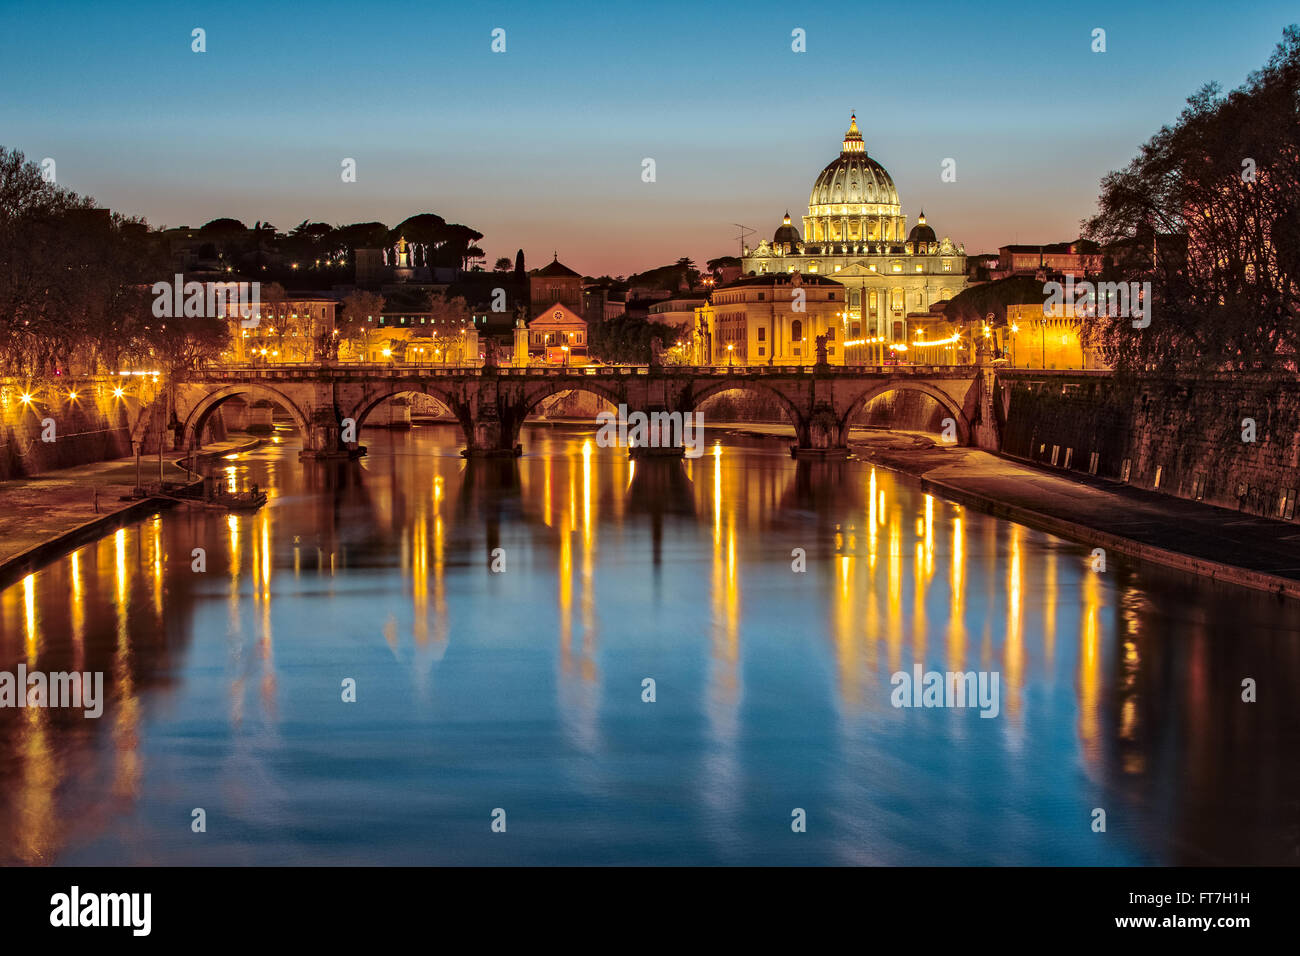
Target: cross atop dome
(853, 138)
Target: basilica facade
(856, 233)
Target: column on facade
(773, 340)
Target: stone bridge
(329, 403)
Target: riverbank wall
(1231, 441)
(54, 426)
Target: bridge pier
(671, 452)
(668, 442)
(489, 437)
(821, 437)
(324, 439)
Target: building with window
(1031, 339)
(677, 311)
(558, 336)
(555, 284)
(1081, 257)
(856, 232)
(416, 338)
(771, 319)
(292, 330)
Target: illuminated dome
(921, 233)
(854, 199)
(853, 177)
(786, 233)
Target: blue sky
(541, 147)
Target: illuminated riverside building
(290, 330)
(415, 338)
(756, 320)
(856, 232)
(1031, 339)
(557, 333)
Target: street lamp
(729, 349)
(1014, 329)
(565, 349)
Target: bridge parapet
(355, 371)
(492, 404)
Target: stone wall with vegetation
(95, 426)
(50, 431)
(1183, 437)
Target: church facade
(856, 233)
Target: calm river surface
(522, 690)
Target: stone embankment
(51, 514)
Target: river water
(517, 694)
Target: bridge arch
(535, 395)
(198, 415)
(370, 402)
(946, 401)
(693, 400)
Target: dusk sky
(541, 147)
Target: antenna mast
(740, 239)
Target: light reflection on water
(523, 689)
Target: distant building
(648, 293)
(678, 311)
(638, 308)
(982, 267)
(756, 320)
(371, 270)
(558, 336)
(1080, 257)
(855, 231)
(1033, 340)
(556, 283)
(300, 328)
(417, 338)
(729, 273)
(596, 304)
(400, 267)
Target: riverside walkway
(48, 514)
(1221, 544)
